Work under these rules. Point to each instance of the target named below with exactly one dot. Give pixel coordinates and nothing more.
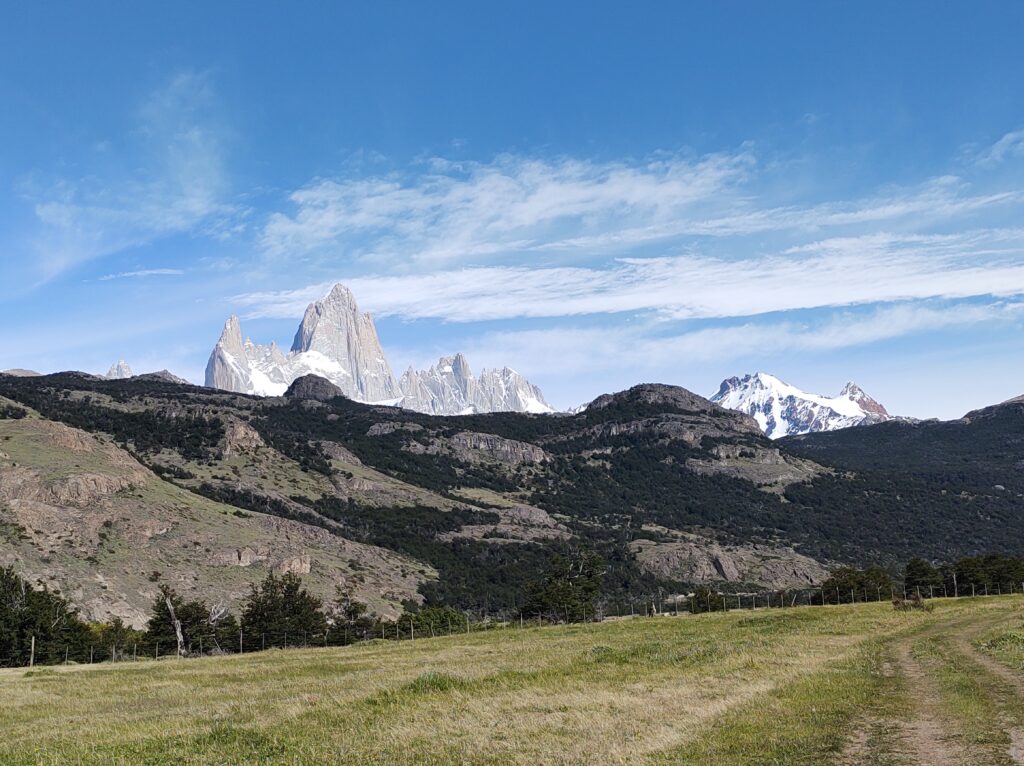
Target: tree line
(38, 626)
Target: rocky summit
(784, 410)
(337, 342)
(119, 371)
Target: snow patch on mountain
(337, 342)
(450, 388)
(119, 371)
(784, 410)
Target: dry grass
(724, 688)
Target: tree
(706, 600)
(281, 612)
(847, 584)
(350, 620)
(189, 627)
(26, 613)
(921, 574)
(569, 589)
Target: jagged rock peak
(784, 410)
(313, 387)
(450, 388)
(339, 343)
(119, 371)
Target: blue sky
(594, 195)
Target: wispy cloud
(173, 181)
(142, 273)
(883, 267)
(645, 352)
(468, 212)
(1009, 145)
(472, 209)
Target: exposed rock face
(314, 388)
(517, 524)
(299, 565)
(119, 371)
(337, 342)
(334, 341)
(382, 429)
(17, 372)
(449, 388)
(240, 437)
(472, 447)
(693, 559)
(766, 467)
(784, 410)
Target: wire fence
(406, 628)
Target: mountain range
(338, 342)
(110, 487)
(784, 410)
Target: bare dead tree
(217, 613)
(177, 626)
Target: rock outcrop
(313, 388)
(693, 559)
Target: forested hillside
(670, 489)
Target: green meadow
(852, 684)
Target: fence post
(32, 655)
(240, 650)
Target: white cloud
(142, 273)
(591, 351)
(458, 212)
(1010, 145)
(881, 267)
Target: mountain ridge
(337, 342)
(785, 410)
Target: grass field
(841, 685)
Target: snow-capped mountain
(337, 342)
(449, 388)
(119, 371)
(783, 410)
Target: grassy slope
(781, 686)
(103, 555)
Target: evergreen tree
(26, 613)
(705, 599)
(349, 620)
(203, 629)
(847, 584)
(281, 612)
(920, 574)
(569, 589)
